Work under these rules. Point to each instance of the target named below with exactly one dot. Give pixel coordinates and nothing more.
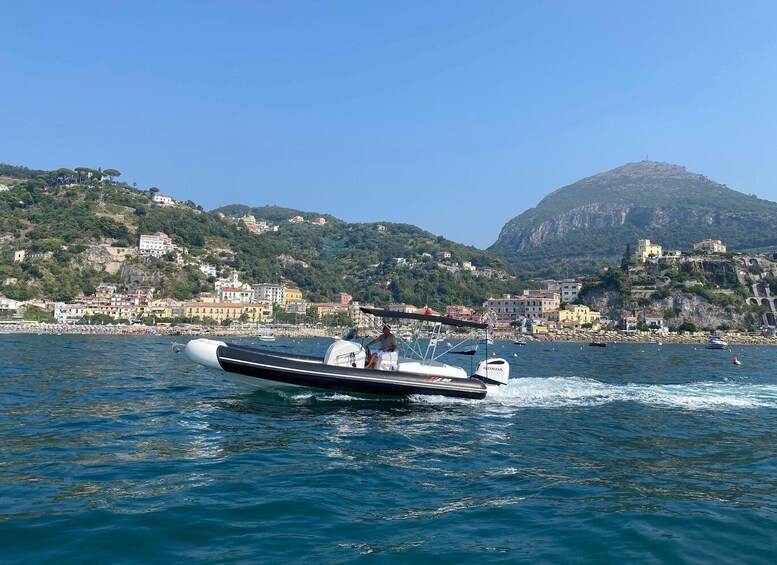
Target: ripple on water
(117, 449)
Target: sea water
(116, 449)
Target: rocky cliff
(591, 221)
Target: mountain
(588, 224)
(80, 229)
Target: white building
(163, 199)
(17, 255)
(507, 307)
(443, 255)
(208, 270)
(534, 304)
(68, 313)
(568, 289)
(233, 282)
(652, 320)
(467, 266)
(156, 244)
(4, 188)
(235, 294)
(9, 304)
(710, 246)
(275, 293)
(296, 220)
(538, 304)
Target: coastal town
(233, 307)
(655, 303)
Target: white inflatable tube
(203, 352)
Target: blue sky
(455, 116)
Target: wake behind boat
(416, 371)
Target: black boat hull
(256, 366)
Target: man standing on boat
(388, 344)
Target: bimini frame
(428, 354)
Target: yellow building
(221, 311)
(320, 309)
(574, 316)
(645, 250)
(165, 308)
(293, 295)
(118, 310)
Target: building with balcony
(275, 293)
(68, 313)
(235, 294)
(223, 311)
(155, 244)
(533, 304)
(574, 316)
(567, 289)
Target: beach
(733, 338)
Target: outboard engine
(345, 354)
(493, 371)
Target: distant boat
(519, 341)
(656, 341)
(716, 342)
(468, 351)
(266, 338)
(598, 344)
(486, 341)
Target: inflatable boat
(410, 371)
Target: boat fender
(204, 352)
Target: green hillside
(64, 217)
(580, 227)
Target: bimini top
(423, 317)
